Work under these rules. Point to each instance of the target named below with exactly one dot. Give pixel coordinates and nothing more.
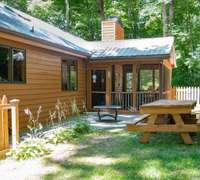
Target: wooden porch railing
(123, 99)
(136, 99)
(5, 109)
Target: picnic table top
(164, 103)
(115, 107)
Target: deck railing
(144, 97)
(123, 99)
(134, 99)
(6, 108)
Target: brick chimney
(112, 29)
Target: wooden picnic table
(178, 119)
(107, 107)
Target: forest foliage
(140, 18)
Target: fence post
(15, 121)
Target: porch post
(135, 85)
(161, 74)
(108, 85)
(89, 92)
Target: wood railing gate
(6, 108)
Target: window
(149, 79)
(69, 75)
(12, 64)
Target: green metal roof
(23, 24)
(132, 48)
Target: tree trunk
(171, 14)
(100, 4)
(164, 17)
(67, 12)
(133, 18)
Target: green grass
(119, 155)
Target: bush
(30, 148)
(69, 134)
(82, 127)
(62, 136)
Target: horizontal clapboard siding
(43, 85)
(108, 31)
(111, 31)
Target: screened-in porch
(128, 84)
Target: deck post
(135, 85)
(161, 75)
(15, 121)
(108, 85)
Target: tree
(100, 4)
(67, 12)
(164, 16)
(18, 4)
(171, 14)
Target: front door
(98, 87)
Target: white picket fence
(188, 93)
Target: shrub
(82, 127)
(30, 148)
(69, 134)
(63, 136)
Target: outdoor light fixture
(94, 78)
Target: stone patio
(109, 123)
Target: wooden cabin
(40, 63)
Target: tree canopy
(140, 18)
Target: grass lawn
(117, 154)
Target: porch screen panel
(146, 80)
(98, 87)
(156, 79)
(99, 80)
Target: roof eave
(161, 56)
(5, 30)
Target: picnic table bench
(167, 116)
(107, 107)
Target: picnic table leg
(146, 136)
(185, 136)
(99, 115)
(116, 114)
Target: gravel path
(35, 169)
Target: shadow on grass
(120, 156)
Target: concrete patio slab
(108, 123)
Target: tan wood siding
(43, 85)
